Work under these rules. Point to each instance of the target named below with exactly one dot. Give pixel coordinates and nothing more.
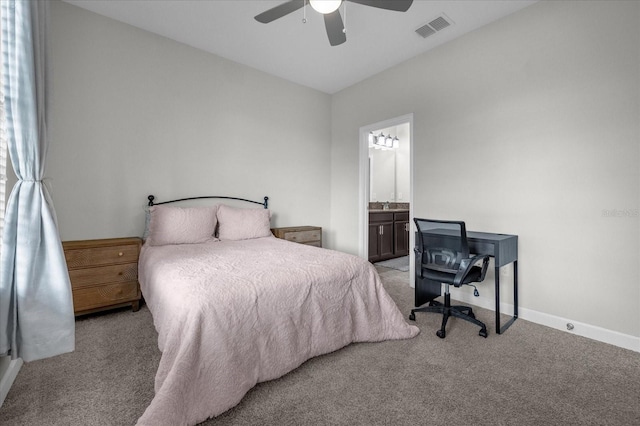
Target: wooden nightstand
(309, 235)
(103, 273)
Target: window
(3, 157)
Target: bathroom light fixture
(383, 142)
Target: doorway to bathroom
(386, 193)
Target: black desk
(504, 250)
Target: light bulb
(325, 6)
(388, 142)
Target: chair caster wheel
(412, 316)
(441, 334)
(483, 333)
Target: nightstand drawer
(304, 236)
(87, 277)
(111, 294)
(101, 256)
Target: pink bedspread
(230, 314)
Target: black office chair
(442, 256)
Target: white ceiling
(376, 39)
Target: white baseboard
(581, 329)
(8, 372)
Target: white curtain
(36, 306)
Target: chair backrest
(443, 244)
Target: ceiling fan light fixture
(325, 6)
(334, 22)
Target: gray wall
(534, 120)
(137, 114)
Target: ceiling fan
(330, 10)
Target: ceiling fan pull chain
(344, 12)
(304, 12)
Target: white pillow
(243, 224)
(181, 225)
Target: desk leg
(497, 283)
(515, 289)
(500, 330)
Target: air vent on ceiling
(433, 26)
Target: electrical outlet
(399, 195)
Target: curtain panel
(36, 306)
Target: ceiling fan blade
(279, 11)
(335, 28)
(397, 5)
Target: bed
(237, 306)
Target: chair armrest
(418, 262)
(467, 264)
(485, 264)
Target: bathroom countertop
(388, 210)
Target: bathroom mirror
(389, 178)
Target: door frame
(363, 197)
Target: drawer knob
(120, 254)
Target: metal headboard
(152, 203)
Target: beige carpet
(399, 263)
(531, 375)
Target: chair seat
(443, 277)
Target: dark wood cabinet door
(386, 240)
(381, 243)
(374, 242)
(401, 238)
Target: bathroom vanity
(388, 233)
